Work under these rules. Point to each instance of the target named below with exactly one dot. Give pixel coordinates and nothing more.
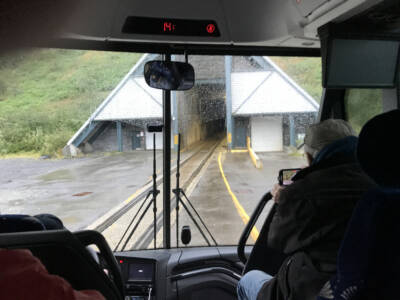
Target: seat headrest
(377, 150)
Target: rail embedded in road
(118, 216)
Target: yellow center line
(242, 213)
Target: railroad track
(110, 218)
(146, 238)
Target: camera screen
(287, 176)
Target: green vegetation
(47, 94)
(305, 71)
(362, 105)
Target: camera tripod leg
(155, 217)
(193, 219)
(197, 214)
(177, 223)
(133, 220)
(136, 226)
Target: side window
(362, 105)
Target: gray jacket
(309, 224)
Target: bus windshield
(81, 138)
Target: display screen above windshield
(162, 26)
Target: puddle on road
(58, 175)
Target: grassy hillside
(46, 95)
(306, 71)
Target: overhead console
(111, 25)
(226, 22)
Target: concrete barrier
(254, 157)
(71, 151)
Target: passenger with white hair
(311, 216)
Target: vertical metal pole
(175, 120)
(154, 192)
(167, 165)
(119, 136)
(177, 190)
(228, 88)
(292, 131)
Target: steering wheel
(91, 237)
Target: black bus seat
(368, 265)
(64, 254)
(22, 223)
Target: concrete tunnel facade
(215, 106)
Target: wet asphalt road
(250, 184)
(81, 190)
(215, 204)
(143, 236)
(76, 190)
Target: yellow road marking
(134, 195)
(254, 158)
(239, 151)
(242, 213)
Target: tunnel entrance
(201, 113)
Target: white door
(149, 140)
(266, 134)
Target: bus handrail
(249, 226)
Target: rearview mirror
(169, 75)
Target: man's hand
(275, 191)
